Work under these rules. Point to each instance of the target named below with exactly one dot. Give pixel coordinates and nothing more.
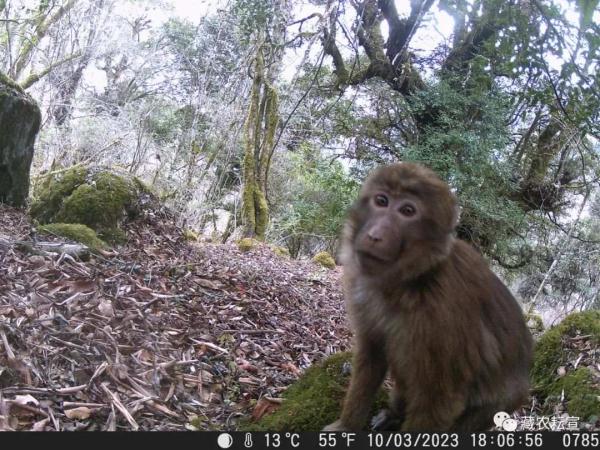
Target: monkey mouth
(369, 258)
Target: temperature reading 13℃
(274, 440)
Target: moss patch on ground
(324, 259)
(314, 400)
(76, 232)
(580, 389)
(247, 244)
(280, 251)
(98, 199)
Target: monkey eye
(408, 210)
(381, 200)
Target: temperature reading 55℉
(331, 439)
(274, 440)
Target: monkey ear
(456, 216)
(456, 211)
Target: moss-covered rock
(324, 259)
(247, 244)
(281, 251)
(19, 124)
(76, 232)
(190, 235)
(97, 198)
(580, 389)
(314, 400)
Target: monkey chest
(387, 328)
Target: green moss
(314, 400)
(113, 235)
(262, 213)
(100, 204)
(53, 190)
(98, 199)
(4, 79)
(247, 244)
(281, 251)
(189, 235)
(534, 322)
(76, 232)
(549, 354)
(581, 392)
(325, 260)
(580, 389)
(142, 186)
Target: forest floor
(160, 334)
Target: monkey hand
(336, 426)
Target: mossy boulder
(280, 251)
(247, 244)
(190, 235)
(76, 232)
(324, 259)
(581, 386)
(314, 400)
(20, 120)
(98, 198)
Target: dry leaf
(40, 425)
(106, 308)
(210, 284)
(25, 400)
(264, 406)
(80, 413)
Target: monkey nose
(374, 237)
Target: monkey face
(403, 209)
(393, 222)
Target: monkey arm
(369, 367)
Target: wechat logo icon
(503, 421)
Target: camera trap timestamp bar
(364, 440)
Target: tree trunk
(259, 133)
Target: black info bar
(310, 441)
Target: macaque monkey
(426, 307)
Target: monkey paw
(336, 426)
(385, 420)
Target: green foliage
(549, 355)
(314, 400)
(318, 194)
(324, 259)
(467, 146)
(253, 15)
(76, 232)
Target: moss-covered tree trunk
(259, 133)
(19, 124)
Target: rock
(96, 197)
(20, 120)
(324, 259)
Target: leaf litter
(159, 334)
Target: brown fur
(428, 310)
